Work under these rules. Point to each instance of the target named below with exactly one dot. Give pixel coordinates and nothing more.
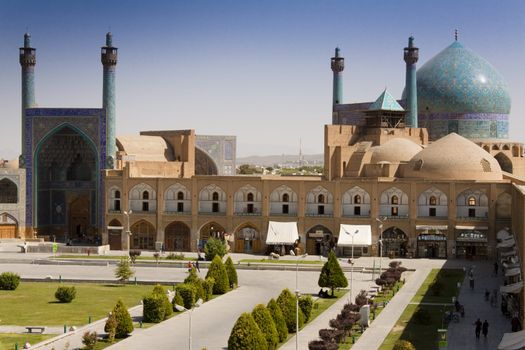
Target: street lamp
(381, 222)
(182, 308)
(297, 296)
(127, 214)
(352, 263)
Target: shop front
(432, 242)
(247, 240)
(394, 243)
(471, 242)
(319, 241)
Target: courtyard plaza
(212, 322)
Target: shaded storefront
(247, 240)
(432, 241)
(471, 242)
(319, 241)
(395, 243)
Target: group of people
(193, 265)
(481, 328)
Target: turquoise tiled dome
(457, 80)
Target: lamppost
(128, 232)
(380, 241)
(297, 296)
(352, 263)
(182, 308)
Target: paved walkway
(461, 335)
(374, 336)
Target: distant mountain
(309, 159)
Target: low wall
(68, 249)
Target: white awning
(508, 253)
(468, 227)
(508, 243)
(512, 288)
(115, 228)
(512, 272)
(362, 235)
(282, 232)
(503, 234)
(431, 227)
(512, 341)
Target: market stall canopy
(512, 288)
(512, 341)
(432, 227)
(508, 243)
(512, 272)
(362, 235)
(511, 252)
(503, 234)
(282, 233)
(470, 227)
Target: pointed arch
(177, 199)
(472, 203)
(247, 238)
(212, 199)
(8, 191)
(248, 201)
(283, 201)
(432, 202)
(319, 202)
(356, 202)
(394, 203)
(177, 237)
(143, 235)
(143, 198)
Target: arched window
(249, 197)
(215, 196)
(394, 200)
(357, 199)
(117, 194)
(180, 196)
(320, 198)
(145, 195)
(432, 200)
(8, 191)
(472, 201)
(286, 197)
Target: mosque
(432, 174)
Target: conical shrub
(278, 318)
(264, 320)
(287, 303)
(246, 334)
(218, 272)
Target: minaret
(338, 65)
(28, 62)
(108, 57)
(411, 55)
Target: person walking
(471, 280)
(478, 325)
(485, 329)
(197, 265)
(496, 268)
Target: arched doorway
(177, 237)
(504, 162)
(319, 240)
(8, 226)
(432, 244)
(395, 242)
(211, 229)
(115, 235)
(79, 220)
(143, 235)
(247, 240)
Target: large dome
(457, 80)
(453, 157)
(395, 151)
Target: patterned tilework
(469, 125)
(385, 102)
(28, 95)
(108, 103)
(457, 80)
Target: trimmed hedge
(218, 272)
(208, 288)
(153, 308)
(286, 302)
(213, 248)
(65, 294)
(161, 292)
(278, 318)
(306, 303)
(246, 334)
(403, 345)
(188, 294)
(124, 322)
(9, 281)
(177, 300)
(232, 273)
(264, 320)
(322, 345)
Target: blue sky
(259, 70)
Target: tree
(278, 318)
(332, 275)
(246, 334)
(89, 339)
(218, 272)
(264, 320)
(232, 273)
(123, 272)
(287, 303)
(403, 345)
(246, 169)
(123, 319)
(111, 327)
(306, 304)
(161, 293)
(153, 308)
(214, 246)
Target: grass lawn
(8, 340)
(423, 334)
(278, 261)
(118, 257)
(33, 303)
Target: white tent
(508, 243)
(362, 235)
(512, 341)
(282, 233)
(512, 272)
(503, 234)
(512, 288)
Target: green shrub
(124, 322)
(89, 339)
(153, 308)
(188, 294)
(232, 273)
(306, 303)
(177, 300)
(65, 294)
(403, 345)
(111, 327)
(286, 302)
(175, 256)
(161, 292)
(9, 281)
(278, 318)
(264, 320)
(218, 272)
(208, 288)
(246, 334)
(214, 247)
(332, 275)
(422, 316)
(192, 276)
(123, 271)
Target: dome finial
(456, 35)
